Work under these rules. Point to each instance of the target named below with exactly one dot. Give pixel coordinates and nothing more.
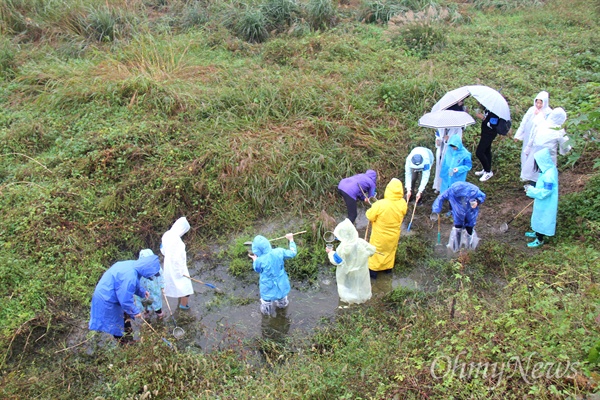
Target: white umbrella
(491, 99)
(446, 119)
(451, 98)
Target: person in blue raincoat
(357, 187)
(545, 195)
(113, 306)
(274, 283)
(465, 199)
(456, 163)
(153, 285)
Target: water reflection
(382, 285)
(276, 328)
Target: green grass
(108, 133)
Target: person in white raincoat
(352, 260)
(547, 135)
(532, 118)
(175, 264)
(419, 162)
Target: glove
(527, 187)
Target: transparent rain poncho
(352, 258)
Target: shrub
(421, 39)
(321, 14)
(379, 11)
(193, 15)
(252, 26)
(280, 13)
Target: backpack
(502, 126)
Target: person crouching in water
(274, 283)
(464, 198)
(545, 195)
(113, 306)
(386, 215)
(352, 260)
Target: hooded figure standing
(545, 195)
(352, 260)
(419, 162)
(464, 199)
(548, 134)
(153, 285)
(175, 264)
(113, 306)
(532, 118)
(386, 216)
(274, 283)
(456, 164)
(442, 136)
(357, 187)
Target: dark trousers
(469, 229)
(539, 236)
(128, 329)
(484, 149)
(350, 205)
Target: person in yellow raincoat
(386, 216)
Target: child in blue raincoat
(113, 306)
(153, 285)
(465, 199)
(545, 195)
(456, 163)
(274, 283)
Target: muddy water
(222, 320)
(217, 321)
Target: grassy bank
(119, 117)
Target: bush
(252, 26)
(321, 14)
(280, 13)
(193, 16)
(421, 39)
(379, 11)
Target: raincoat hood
(180, 227)
(345, 231)
(261, 245)
(468, 191)
(544, 97)
(544, 159)
(147, 266)
(372, 174)
(557, 117)
(394, 190)
(456, 141)
(146, 253)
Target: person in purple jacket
(357, 187)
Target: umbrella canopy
(451, 98)
(446, 119)
(490, 99)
